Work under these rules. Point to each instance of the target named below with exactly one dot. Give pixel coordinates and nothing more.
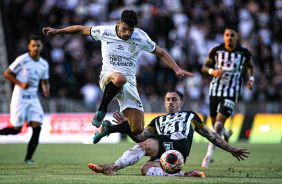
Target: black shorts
(165, 144)
(223, 105)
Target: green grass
(68, 163)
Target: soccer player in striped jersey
(225, 62)
(173, 131)
(121, 45)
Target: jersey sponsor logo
(229, 104)
(150, 43)
(168, 146)
(132, 46)
(135, 39)
(96, 31)
(138, 103)
(26, 61)
(121, 64)
(109, 42)
(120, 47)
(109, 34)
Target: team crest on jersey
(132, 46)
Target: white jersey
(121, 55)
(29, 70)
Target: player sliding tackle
(121, 45)
(173, 131)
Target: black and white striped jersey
(231, 63)
(184, 122)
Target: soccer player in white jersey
(26, 72)
(121, 45)
(173, 131)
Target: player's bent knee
(120, 80)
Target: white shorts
(128, 97)
(29, 110)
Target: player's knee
(144, 168)
(137, 130)
(218, 126)
(120, 80)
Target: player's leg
(33, 142)
(10, 130)
(130, 157)
(114, 85)
(152, 168)
(135, 120)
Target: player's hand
(250, 85)
(46, 93)
(118, 118)
(49, 30)
(181, 72)
(240, 153)
(217, 73)
(25, 85)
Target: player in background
(121, 45)
(26, 72)
(173, 131)
(225, 62)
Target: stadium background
(186, 29)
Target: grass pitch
(68, 163)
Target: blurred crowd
(186, 29)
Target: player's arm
(208, 68)
(165, 57)
(77, 29)
(214, 138)
(251, 73)
(45, 87)
(12, 78)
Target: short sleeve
(45, 74)
(16, 66)
(96, 32)
(198, 123)
(148, 44)
(152, 126)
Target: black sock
(8, 130)
(33, 142)
(110, 92)
(122, 128)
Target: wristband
(210, 71)
(252, 78)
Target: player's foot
(194, 173)
(29, 161)
(104, 169)
(205, 163)
(103, 132)
(98, 118)
(227, 135)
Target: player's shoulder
(216, 47)
(43, 62)
(139, 33)
(23, 56)
(244, 49)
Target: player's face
(173, 103)
(124, 31)
(231, 38)
(35, 47)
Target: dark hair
(181, 96)
(231, 27)
(34, 37)
(129, 17)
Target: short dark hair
(129, 17)
(231, 27)
(181, 96)
(34, 37)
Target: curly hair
(129, 17)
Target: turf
(68, 163)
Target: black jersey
(231, 63)
(184, 122)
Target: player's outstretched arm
(214, 138)
(165, 57)
(78, 29)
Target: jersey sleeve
(147, 44)
(16, 66)
(196, 122)
(212, 53)
(152, 126)
(96, 32)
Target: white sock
(157, 171)
(212, 147)
(130, 157)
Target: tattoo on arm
(141, 137)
